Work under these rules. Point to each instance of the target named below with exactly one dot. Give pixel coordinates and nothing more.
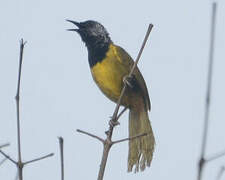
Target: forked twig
(121, 113)
(19, 163)
(8, 157)
(202, 159)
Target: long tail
(140, 149)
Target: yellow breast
(108, 74)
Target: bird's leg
(130, 81)
(112, 121)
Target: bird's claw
(113, 123)
(128, 80)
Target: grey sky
(58, 94)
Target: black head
(96, 39)
(92, 33)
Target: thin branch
(220, 173)
(2, 161)
(208, 93)
(105, 155)
(61, 157)
(4, 145)
(130, 138)
(8, 157)
(20, 164)
(108, 142)
(18, 98)
(91, 135)
(38, 159)
(209, 80)
(215, 156)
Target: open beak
(75, 23)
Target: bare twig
(19, 163)
(4, 145)
(38, 159)
(130, 138)
(8, 157)
(220, 173)
(208, 93)
(91, 135)
(108, 141)
(2, 161)
(61, 157)
(215, 156)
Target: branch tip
(38, 159)
(91, 135)
(215, 156)
(4, 145)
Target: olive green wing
(128, 61)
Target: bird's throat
(97, 53)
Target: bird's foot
(128, 80)
(113, 122)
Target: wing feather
(128, 61)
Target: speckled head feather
(96, 38)
(93, 33)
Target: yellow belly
(108, 75)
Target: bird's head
(92, 33)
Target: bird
(110, 64)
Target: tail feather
(140, 149)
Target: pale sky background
(58, 94)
